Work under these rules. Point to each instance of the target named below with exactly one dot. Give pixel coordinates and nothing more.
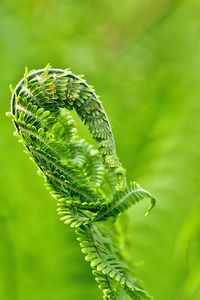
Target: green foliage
(122, 200)
(89, 184)
(143, 57)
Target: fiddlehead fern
(89, 184)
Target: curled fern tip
(89, 184)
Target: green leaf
(122, 200)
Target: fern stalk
(89, 184)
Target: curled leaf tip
(153, 202)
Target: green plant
(88, 184)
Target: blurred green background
(143, 57)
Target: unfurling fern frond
(122, 200)
(89, 184)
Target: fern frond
(89, 184)
(107, 265)
(122, 200)
(72, 214)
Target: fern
(89, 184)
(123, 200)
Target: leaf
(72, 215)
(81, 178)
(122, 200)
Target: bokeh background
(143, 57)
